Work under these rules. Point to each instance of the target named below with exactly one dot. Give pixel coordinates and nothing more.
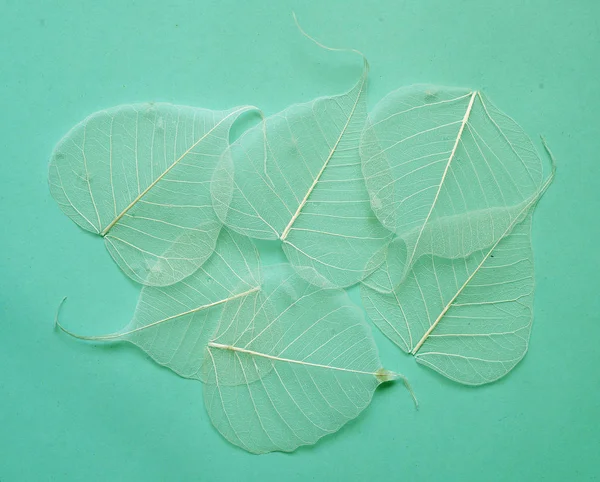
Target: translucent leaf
(297, 178)
(446, 171)
(284, 362)
(278, 382)
(467, 318)
(139, 175)
(173, 324)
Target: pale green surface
(70, 411)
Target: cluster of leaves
(426, 202)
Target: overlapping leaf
(284, 355)
(173, 324)
(446, 171)
(467, 318)
(284, 362)
(297, 177)
(288, 370)
(139, 175)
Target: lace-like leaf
(174, 323)
(297, 177)
(467, 318)
(139, 175)
(291, 369)
(446, 171)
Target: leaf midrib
(236, 349)
(510, 227)
(142, 194)
(447, 168)
(287, 229)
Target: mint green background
(75, 411)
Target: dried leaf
(139, 176)
(467, 318)
(288, 369)
(297, 177)
(446, 171)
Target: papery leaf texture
(297, 177)
(290, 365)
(427, 202)
(283, 362)
(446, 171)
(139, 175)
(174, 323)
(467, 318)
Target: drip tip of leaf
(74, 335)
(56, 323)
(550, 154)
(323, 46)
